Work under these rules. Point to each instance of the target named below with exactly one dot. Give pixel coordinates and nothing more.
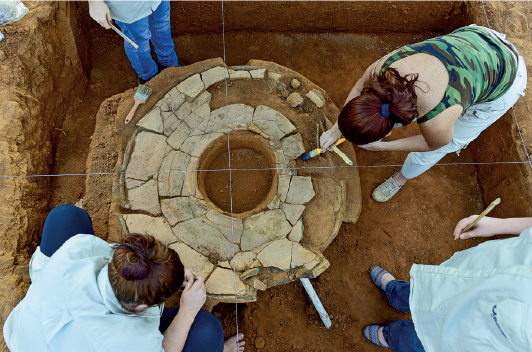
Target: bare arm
(488, 227)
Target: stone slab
(293, 212)
(263, 112)
(174, 98)
(132, 183)
(301, 190)
(145, 198)
(170, 183)
(191, 86)
(295, 100)
(293, 146)
(234, 75)
(316, 97)
(157, 227)
(282, 188)
(249, 273)
(198, 206)
(264, 227)
(277, 254)
(301, 256)
(176, 209)
(180, 134)
(222, 282)
(147, 156)
(193, 260)
(229, 228)
(258, 74)
(214, 75)
(152, 121)
(244, 260)
(297, 232)
(190, 180)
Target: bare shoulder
(439, 130)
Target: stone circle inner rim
(251, 190)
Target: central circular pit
(251, 190)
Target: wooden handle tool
(123, 35)
(484, 213)
(140, 97)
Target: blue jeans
(206, 333)
(400, 335)
(154, 28)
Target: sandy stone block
(227, 227)
(258, 74)
(293, 146)
(201, 235)
(199, 207)
(174, 98)
(234, 75)
(190, 143)
(249, 273)
(295, 83)
(282, 188)
(264, 227)
(152, 121)
(293, 212)
(277, 254)
(201, 114)
(184, 111)
(275, 203)
(214, 75)
(222, 282)
(297, 232)
(259, 285)
(147, 156)
(145, 198)
(253, 128)
(279, 156)
(193, 260)
(283, 169)
(225, 264)
(170, 180)
(310, 265)
(132, 183)
(189, 181)
(176, 209)
(320, 268)
(301, 190)
(295, 100)
(274, 76)
(263, 112)
(301, 256)
(316, 97)
(198, 131)
(204, 143)
(169, 120)
(239, 114)
(146, 225)
(191, 86)
(179, 135)
(270, 128)
(244, 260)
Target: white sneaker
(385, 191)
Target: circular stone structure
(176, 185)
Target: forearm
(512, 226)
(176, 334)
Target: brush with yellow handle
(317, 151)
(484, 213)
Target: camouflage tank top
(480, 67)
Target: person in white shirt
(89, 295)
(478, 300)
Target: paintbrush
(140, 97)
(123, 35)
(317, 151)
(484, 213)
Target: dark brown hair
(144, 271)
(361, 120)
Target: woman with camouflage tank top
(455, 86)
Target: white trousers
(471, 123)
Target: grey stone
(190, 143)
(225, 265)
(279, 156)
(163, 104)
(282, 188)
(179, 135)
(198, 131)
(264, 227)
(259, 285)
(316, 97)
(295, 83)
(189, 181)
(170, 180)
(277, 254)
(301, 190)
(146, 225)
(192, 86)
(293, 212)
(223, 282)
(147, 155)
(196, 147)
(193, 260)
(176, 209)
(234, 75)
(258, 74)
(214, 75)
(297, 232)
(249, 273)
(253, 128)
(263, 112)
(201, 114)
(185, 110)
(275, 203)
(239, 114)
(271, 128)
(145, 198)
(274, 76)
(295, 100)
(199, 207)
(174, 98)
(152, 121)
(132, 183)
(204, 237)
(293, 146)
(227, 227)
(301, 256)
(244, 260)
(169, 120)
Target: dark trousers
(66, 221)
(400, 335)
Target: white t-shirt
(131, 11)
(70, 306)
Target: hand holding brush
(459, 231)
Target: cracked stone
(266, 113)
(199, 207)
(191, 86)
(233, 75)
(132, 183)
(196, 145)
(264, 227)
(179, 135)
(152, 121)
(316, 97)
(253, 128)
(275, 203)
(189, 181)
(301, 256)
(224, 224)
(310, 265)
(271, 128)
(244, 260)
(293, 146)
(249, 273)
(204, 237)
(239, 114)
(297, 232)
(222, 282)
(174, 98)
(301, 190)
(293, 212)
(295, 100)
(258, 74)
(282, 188)
(213, 76)
(277, 254)
(169, 120)
(193, 260)
(147, 156)
(146, 225)
(199, 115)
(279, 156)
(145, 198)
(225, 265)
(170, 183)
(176, 209)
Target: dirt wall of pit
(44, 61)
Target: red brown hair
(144, 271)
(361, 120)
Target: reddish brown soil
(415, 227)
